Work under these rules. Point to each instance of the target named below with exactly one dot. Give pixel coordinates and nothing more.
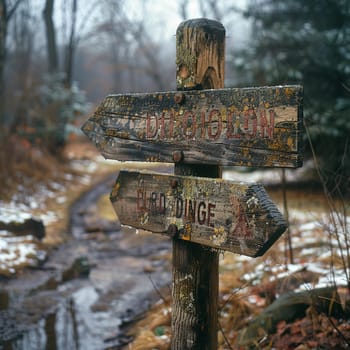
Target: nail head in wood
(174, 184)
(172, 230)
(178, 156)
(179, 98)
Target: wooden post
(200, 131)
(200, 48)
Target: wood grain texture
(257, 127)
(226, 215)
(194, 323)
(200, 55)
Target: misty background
(59, 58)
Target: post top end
(204, 23)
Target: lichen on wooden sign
(257, 127)
(227, 215)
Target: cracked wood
(257, 127)
(227, 215)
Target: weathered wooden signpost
(200, 130)
(225, 215)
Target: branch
(85, 21)
(12, 11)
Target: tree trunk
(50, 37)
(70, 50)
(3, 32)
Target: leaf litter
(248, 286)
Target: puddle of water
(92, 327)
(57, 331)
(83, 314)
(72, 325)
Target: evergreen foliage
(51, 112)
(308, 43)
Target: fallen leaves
(305, 334)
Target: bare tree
(71, 46)
(148, 48)
(21, 67)
(183, 9)
(7, 9)
(211, 8)
(134, 49)
(75, 32)
(50, 36)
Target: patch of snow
(297, 216)
(17, 251)
(49, 217)
(27, 204)
(281, 271)
(255, 276)
(243, 258)
(33, 205)
(85, 180)
(307, 251)
(267, 176)
(309, 226)
(338, 279)
(305, 287)
(10, 212)
(56, 186)
(298, 242)
(84, 166)
(256, 300)
(61, 200)
(317, 268)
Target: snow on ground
(317, 247)
(313, 233)
(18, 251)
(270, 176)
(84, 170)
(320, 238)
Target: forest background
(59, 58)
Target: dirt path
(89, 288)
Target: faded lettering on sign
(176, 207)
(255, 127)
(224, 214)
(212, 124)
(150, 204)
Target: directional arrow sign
(249, 127)
(227, 215)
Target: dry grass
(242, 297)
(153, 332)
(30, 174)
(25, 165)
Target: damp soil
(93, 286)
(89, 289)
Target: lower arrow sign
(226, 215)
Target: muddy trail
(89, 289)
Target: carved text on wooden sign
(247, 127)
(226, 215)
(212, 124)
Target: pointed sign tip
(221, 214)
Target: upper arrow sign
(226, 215)
(248, 127)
